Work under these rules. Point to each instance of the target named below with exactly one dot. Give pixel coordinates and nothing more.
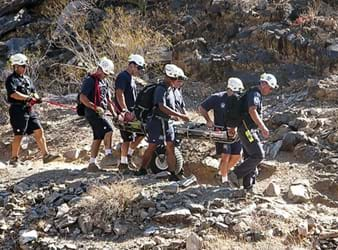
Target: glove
(33, 99)
(100, 111)
(128, 117)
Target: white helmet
(173, 71)
(18, 59)
(235, 84)
(107, 66)
(270, 79)
(137, 59)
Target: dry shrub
(117, 36)
(109, 201)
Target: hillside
(61, 206)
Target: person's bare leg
(133, 145)
(41, 141)
(107, 140)
(95, 148)
(124, 149)
(148, 154)
(224, 163)
(234, 159)
(16, 145)
(171, 159)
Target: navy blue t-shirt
(253, 98)
(125, 82)
(217, 103)
(164, 95)
(179, 102)
(88, 89)
(21, 84)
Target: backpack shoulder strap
(97, 90)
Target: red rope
(61, 105)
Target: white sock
(107, 151)
(219, 172)
(92, 160)
(225, 178)
(124, 159)
(130, 151)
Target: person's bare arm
(120, 99)
(258, 121)
(111, 107)
(170, 112)
(206, 116)
(19, 96)
(85, 101)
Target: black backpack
(234, 110)
(80, 108)
(144, 103)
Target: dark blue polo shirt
(88, 89)
(125, 82)
(217, 103)
(164, 95)
(253, 98)
(21, 84)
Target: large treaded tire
(158, 162)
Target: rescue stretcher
(188, 130)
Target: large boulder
(291, 139)
(13, 6)
(306, 152)
(188, 52)
(324, 90)
(13, 21)
(299, 191)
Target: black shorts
(22, 121)
(99, 125)
(128, 136)
(231, 149)
(160, 131)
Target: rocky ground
(60, 206)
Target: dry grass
(223, 242)
(109, 201)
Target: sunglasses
(139, 67)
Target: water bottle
(24, 142)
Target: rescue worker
(125, 97)
(179, 101)
(230, 153)
(159, 127)
(21, 94)
(248, 130)
(96, 97)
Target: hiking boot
(14, 162)
(233, 179)
(124, 169)
(108, 161)
(176, 177)
(218, 179)
(132, 165)
(226, 184)
(93, 167)
(141, 172)
(50, 157)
